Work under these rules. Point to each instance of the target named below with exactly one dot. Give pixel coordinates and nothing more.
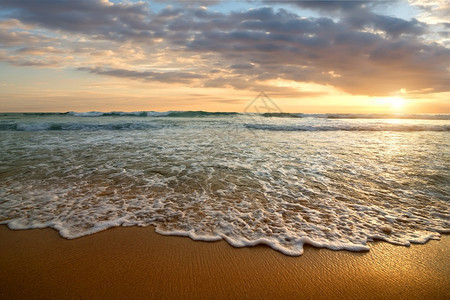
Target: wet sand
(136, 262)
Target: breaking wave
(173, 114)
(54, 126)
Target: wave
(190, 114)
(347, 127)
(283, 115)
(149, 125)
(54, 126)
(176, 114)
(389, 116)
(360, 116)
(201, 113)
(117, 114)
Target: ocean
(283, 180)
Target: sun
(397, 103)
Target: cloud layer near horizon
(347, 45)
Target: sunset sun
(397, 103)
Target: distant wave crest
(54, 126)
(186, 114)
(360, 116)
(347, 127)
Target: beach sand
(133, 262)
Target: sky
(308, 56)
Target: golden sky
(309, 56)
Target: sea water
(329, 180)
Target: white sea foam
(215, 179)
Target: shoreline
(136, 262)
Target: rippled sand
(135, 262)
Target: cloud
(168, 77)
(359, 14)
(391, 26)
(368, 62)
(13, 33)
(191, 2)
(98, 18)
(20, 61)
(357, 50)
(432, 11)
(326, 5)
(243, 66)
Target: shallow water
(334, 181)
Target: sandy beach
(136, 262)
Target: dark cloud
(365, 61)
(92, 17)
(328, 6)
(38, 51)
(359, 14)
(183, 77)
(242, 66)
(392, 26)
(191, 2)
